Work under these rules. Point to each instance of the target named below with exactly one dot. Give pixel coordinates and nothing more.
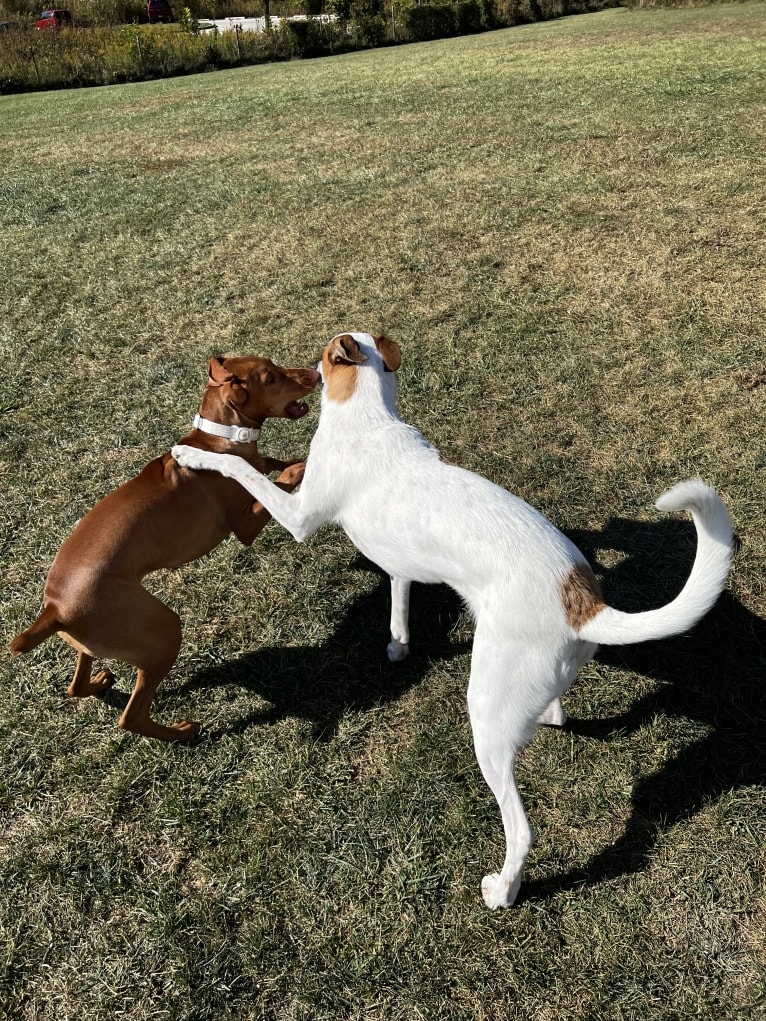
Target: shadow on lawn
(715, 675)
(348, 672)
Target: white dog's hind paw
(396, 651)
(553, 715)
(498, 892)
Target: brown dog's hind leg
(136, 717)
(84, 684)
(156, 639)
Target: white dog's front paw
(397, 651)
(498, 892)
(206, 460)
(189, 457)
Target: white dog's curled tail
(715, 544)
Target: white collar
(235, 433)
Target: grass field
(563, 226)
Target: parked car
(159, 10)
(54, 19)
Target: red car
(54, 19)
(159, 10)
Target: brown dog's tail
(46, 625)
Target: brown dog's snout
(305, 380)
(305, 377)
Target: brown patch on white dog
(581, 596)
(339, 361)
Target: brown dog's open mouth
(296, 409)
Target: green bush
(315, 39)
(517, 12)
(86, 13)
(489, 14)
(98, 56)
(103, 13)
(469, 17)
(430, 21)
(188, 22)
(108, 45)
(550, 9)
(368, 18)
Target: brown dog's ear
(389, 352)
(216, 373)
(344, 348)
(219, 375)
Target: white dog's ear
(389, 352)
(344, 348)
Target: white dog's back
(451, 526)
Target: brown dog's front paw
(292, 475)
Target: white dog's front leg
(399, 646)
(292, 511)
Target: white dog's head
(350, 357)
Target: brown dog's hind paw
(183, 732)
(102, 682)
(94, 686)
(186, 731)
(292, 475)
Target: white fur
(424, 520)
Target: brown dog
(164, 517)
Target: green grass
(563, 226)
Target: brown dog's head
(249, 390)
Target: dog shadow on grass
(715, 675)
(348, 672)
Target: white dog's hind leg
(577, 656)
(554, 714)
(399, 646)
(503, 702)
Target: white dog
(538, 606)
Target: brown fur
(340, 381)
(164, 517)
(339, 361)
(389, 352)
(581, 596)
